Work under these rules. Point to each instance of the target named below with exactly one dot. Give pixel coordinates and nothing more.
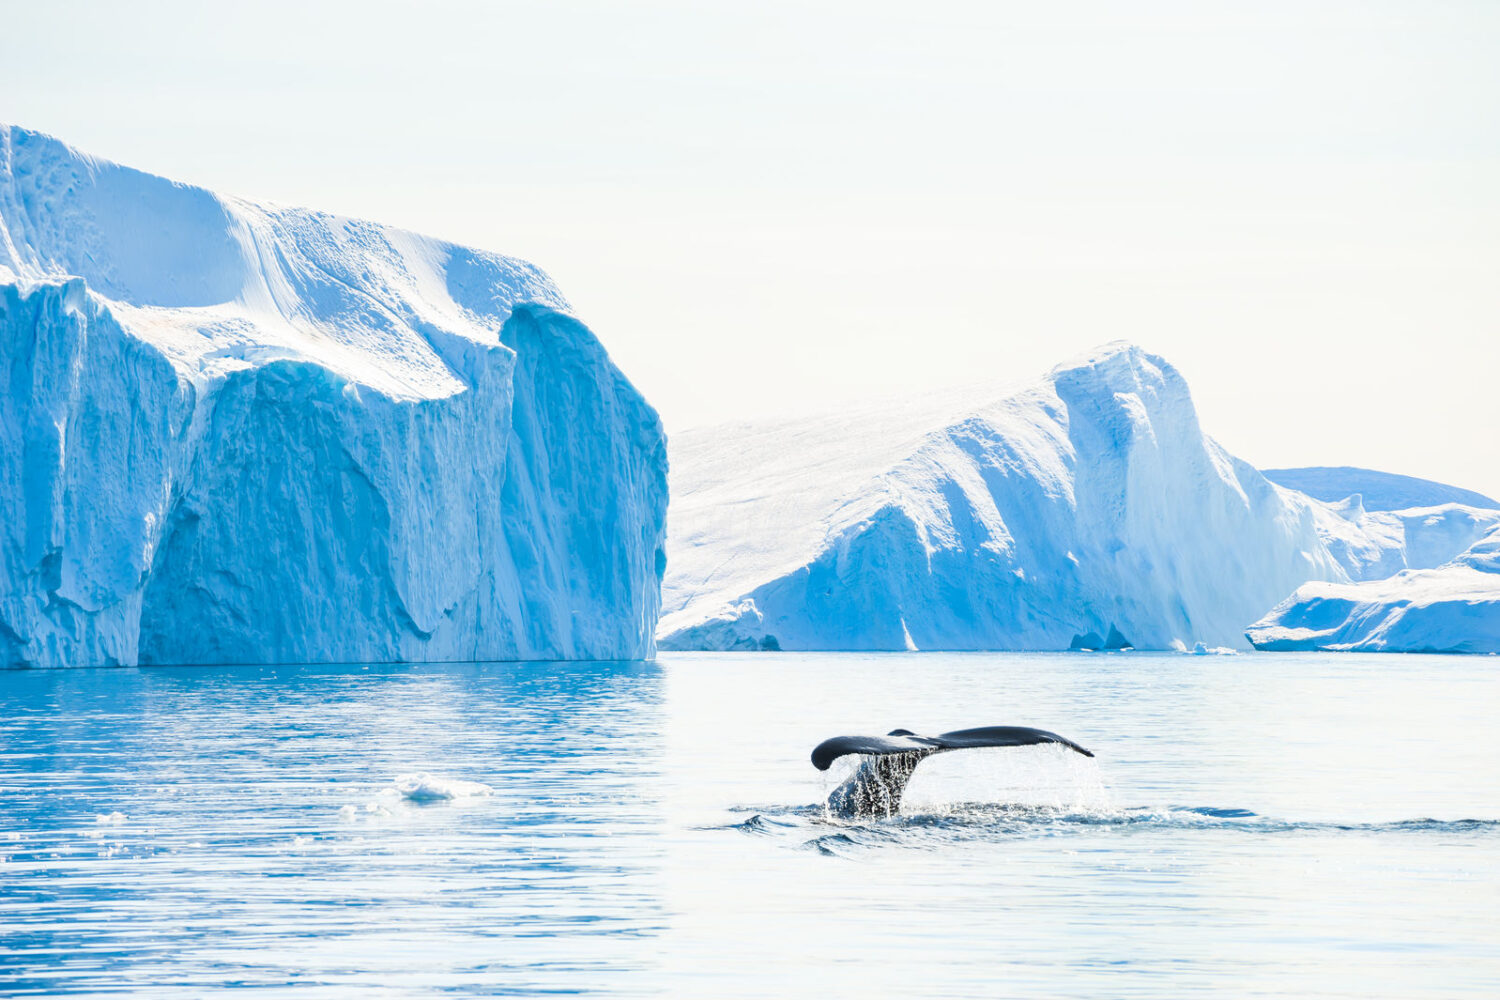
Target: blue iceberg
(239, 433)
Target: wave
(959, 822)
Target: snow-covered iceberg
(1088, 509)
(236, 432)
(1452, 609)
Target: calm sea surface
(1256, 825)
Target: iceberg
(1375, 544)
(239, 432)
(1087, 510)
(1377, 490)
(1454, 608)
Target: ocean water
(1288, 825)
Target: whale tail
(876, 787)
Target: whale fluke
(876, 787)
(906, 741)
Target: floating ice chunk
(424, 787)
(110, 819)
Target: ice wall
(243, 433)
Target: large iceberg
(1087, 509)
(1452, 609)
(237, 432)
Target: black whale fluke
(877, 785)
(905, 741)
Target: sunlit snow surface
(239, 432)
(1282, 825)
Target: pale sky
(772, 208)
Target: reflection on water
(1267, 825)
(259, 835)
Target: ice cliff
(1452, 609)
(237, 432)
(1086, 509)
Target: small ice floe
(424, 787)
(110, 819)
(373, 809)
(1202, 649)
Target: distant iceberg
(1454, 608)
(1376, 490)
(237, 432)
(1085, 511)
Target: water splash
(1036, 776)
